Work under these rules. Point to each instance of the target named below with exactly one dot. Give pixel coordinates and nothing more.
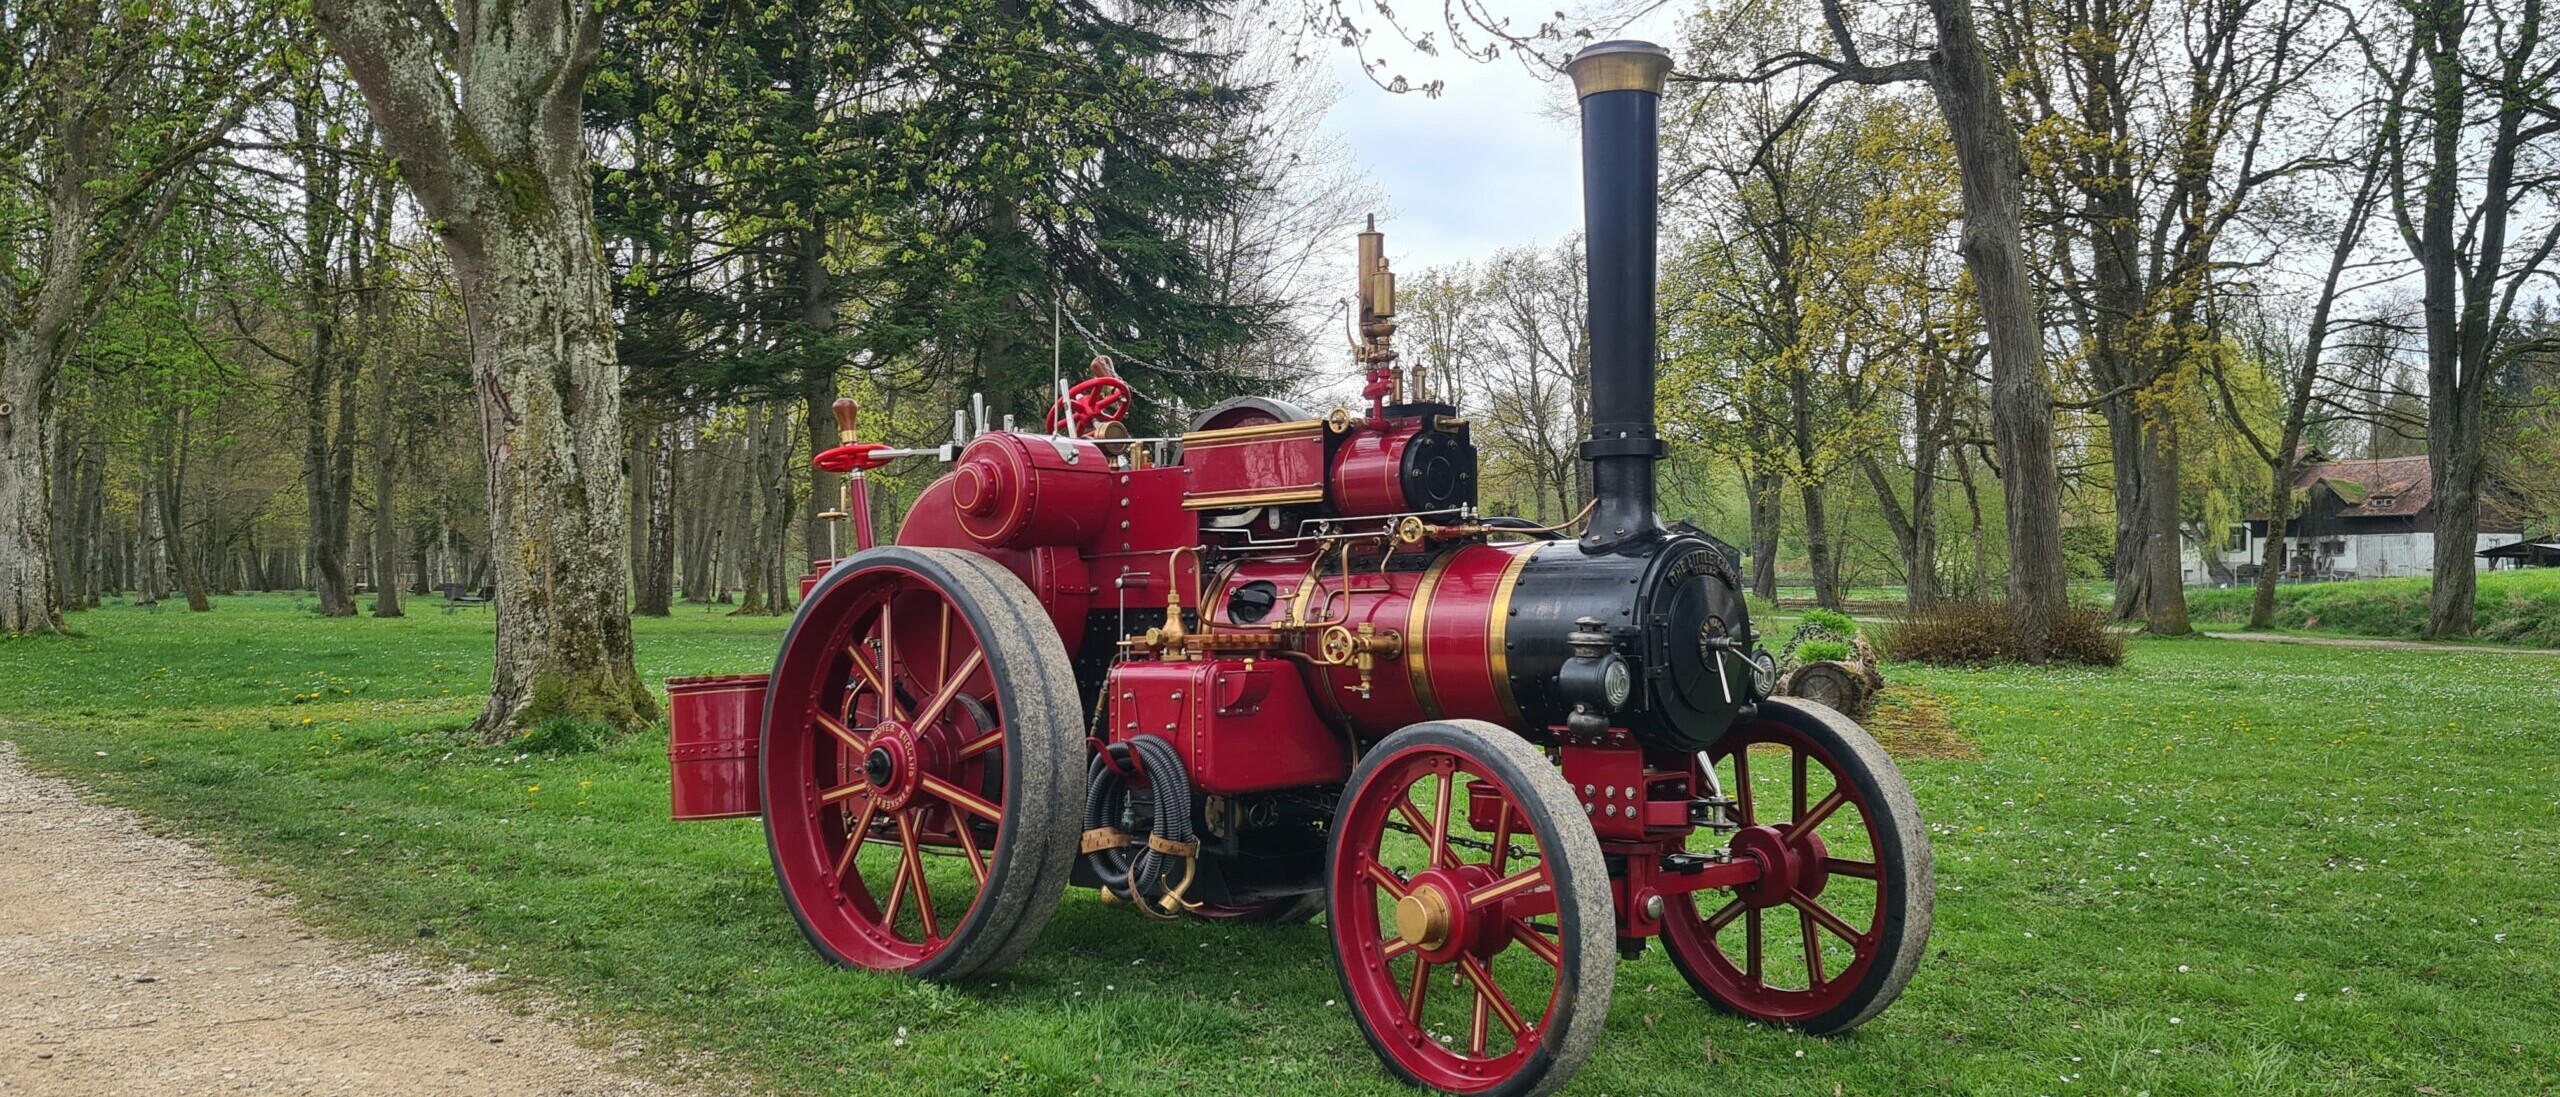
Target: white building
(2371, 519)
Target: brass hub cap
(1423, 918)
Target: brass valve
(1361, 648)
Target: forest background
(553, 299)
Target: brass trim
(1253, 497)
(1258, 432)
(1621, 65)
(1497, 656)
(1418, 638)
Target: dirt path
(137, 965)
(2376, 642)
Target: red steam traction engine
(1280, 666)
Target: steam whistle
(1378, 323)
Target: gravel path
(137, 965)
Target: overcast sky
(1493, 162)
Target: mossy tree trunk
(484, 122)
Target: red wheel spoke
(969, 845)
(982, 744)
(897, 894)
(1537, 943)
(1413, 816)
(944, 648)
(1724, 917)
(1812, 950)
(1394, 948)
(962, 799)
(888, 660)
(842, 792)
(871, 678)
(1440, 854)
(1419, 990)
(1477, 1025)
(854, 840)
(1505, 888)
(915, 868)
(1751, 948)
(1385, 880)
(1489, 993)
(1802, 763)
(1864, 870)
(932, 709)
(835, 727)
(1501, 838)
(1828, 920)
(1806, 821)
(1742, 783)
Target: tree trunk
(818, 384)
(656, 559)
(322, 221)
(1768, 504)
(2131, 567)
(495, 149)
(386, 523)
(1817, 546)
(2168, 601)
(2262, 606)
(29, 601)
(1989, 165)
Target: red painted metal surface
(1447, 607)
(1490, 955)
(875, 767)
(1018, 491)
(1259, 465)
(1368, 467)
(1241, 725)
(1803, 899)
(712, 725)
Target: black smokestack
(1620, 85)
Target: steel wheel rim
(892, 900)
(1702, 930)
(1382, 969)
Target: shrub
(1832, 621)
(1822, 651)
(1976, 633)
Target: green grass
(2222, 869)
(2514, 607)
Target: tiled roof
(2391, 487)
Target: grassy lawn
(2223, 869)
(2512, 607)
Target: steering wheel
(851, 456)
(1095, 400)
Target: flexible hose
(1162, 808)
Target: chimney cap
(1619, 65)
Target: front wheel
(1470, 911)
(1830, 933)
(921, 755)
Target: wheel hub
(894, 767)
(1782, 865)
(1423, 918)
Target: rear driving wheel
(1829, 934)
(920, 748)
(1470, 912)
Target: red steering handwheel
(1095, 400)
(851, 456)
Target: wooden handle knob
(846, 412)
(1101, 367)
